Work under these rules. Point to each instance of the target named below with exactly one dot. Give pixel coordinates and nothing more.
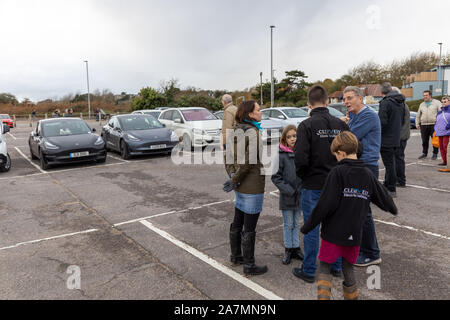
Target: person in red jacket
(342, 209)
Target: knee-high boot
(235, 244)
(248, 248)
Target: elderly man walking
(425, 121)
(228, 120)
(405, 134)
(392, 117)
(365, 124)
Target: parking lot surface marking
(412, 229)
(49, 238)
(12, 136)
(116, 158)
(213, 263)
(29, 160)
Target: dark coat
(250, 176)
(392, 116)
(287, 182)
(344, 203)
(313, 157)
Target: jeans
(291, 231)
(400, 162)
(369, 243)
(427, 133)
(311, 240)
(390, 178)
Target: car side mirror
(6, 128)
(282, 117)
(94, 130)
(177, 121)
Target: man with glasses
(365, 124)
(425, 121)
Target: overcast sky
(207, 44)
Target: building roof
(336, 94)
(373, 90)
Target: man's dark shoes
(297, 254)
(299, 274)
(401, 185)
(422, 156)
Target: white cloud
(207, 44)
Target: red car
(6, 119)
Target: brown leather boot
(350, 293)
(324, 286)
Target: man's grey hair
(356, 90)
(386, 88)
(227, 98)
(396, 90)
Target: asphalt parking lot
(149, 229)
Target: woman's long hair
(243, 111)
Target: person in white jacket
(425, 121)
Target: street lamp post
(89, 95)
(261, 74)
(271, 68)
(441, 69)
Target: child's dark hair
(244, 109)
(285, 132)
(317, 95)
(345, 142)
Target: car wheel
(43, 162)
(124, 150)
(7, 165)
(187, 144)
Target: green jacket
(248, 175)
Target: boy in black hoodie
(342, 208)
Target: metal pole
(89, 94)
(262, 103)
(441, 68)
(272, 98)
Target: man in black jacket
(392, 113)
(313, 162)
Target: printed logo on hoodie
(328, 133)
(356, 193)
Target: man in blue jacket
(365, 125)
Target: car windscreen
(152, 113)
(139, 122)
(198, 115)
(295, 113)
(4, 116)
(64, 128)
(336, 113)
(265, 117)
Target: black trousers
(390, 178)
(427, 133)
(400, 162)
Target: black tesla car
(136, 134)
(65, 140)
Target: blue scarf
(256, 124)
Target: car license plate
(79, 154)
(159, 146)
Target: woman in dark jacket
(248, 182)
(289, 184)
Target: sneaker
(365, 262)
(422, 156)
(443, 164)
(336, 273)
(300, 274)
(444, 170)
(401, 185)
(434, 157)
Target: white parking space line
(50, 238)
(12, 136)
(29, 160)
(24, 176)
(425, 188)
(215, 264)
(412, 229)
(116, 158)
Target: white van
(5, 159)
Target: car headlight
(99, 141)
(132, 138)
(198, 131)
(51, 146)
(174, 137)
